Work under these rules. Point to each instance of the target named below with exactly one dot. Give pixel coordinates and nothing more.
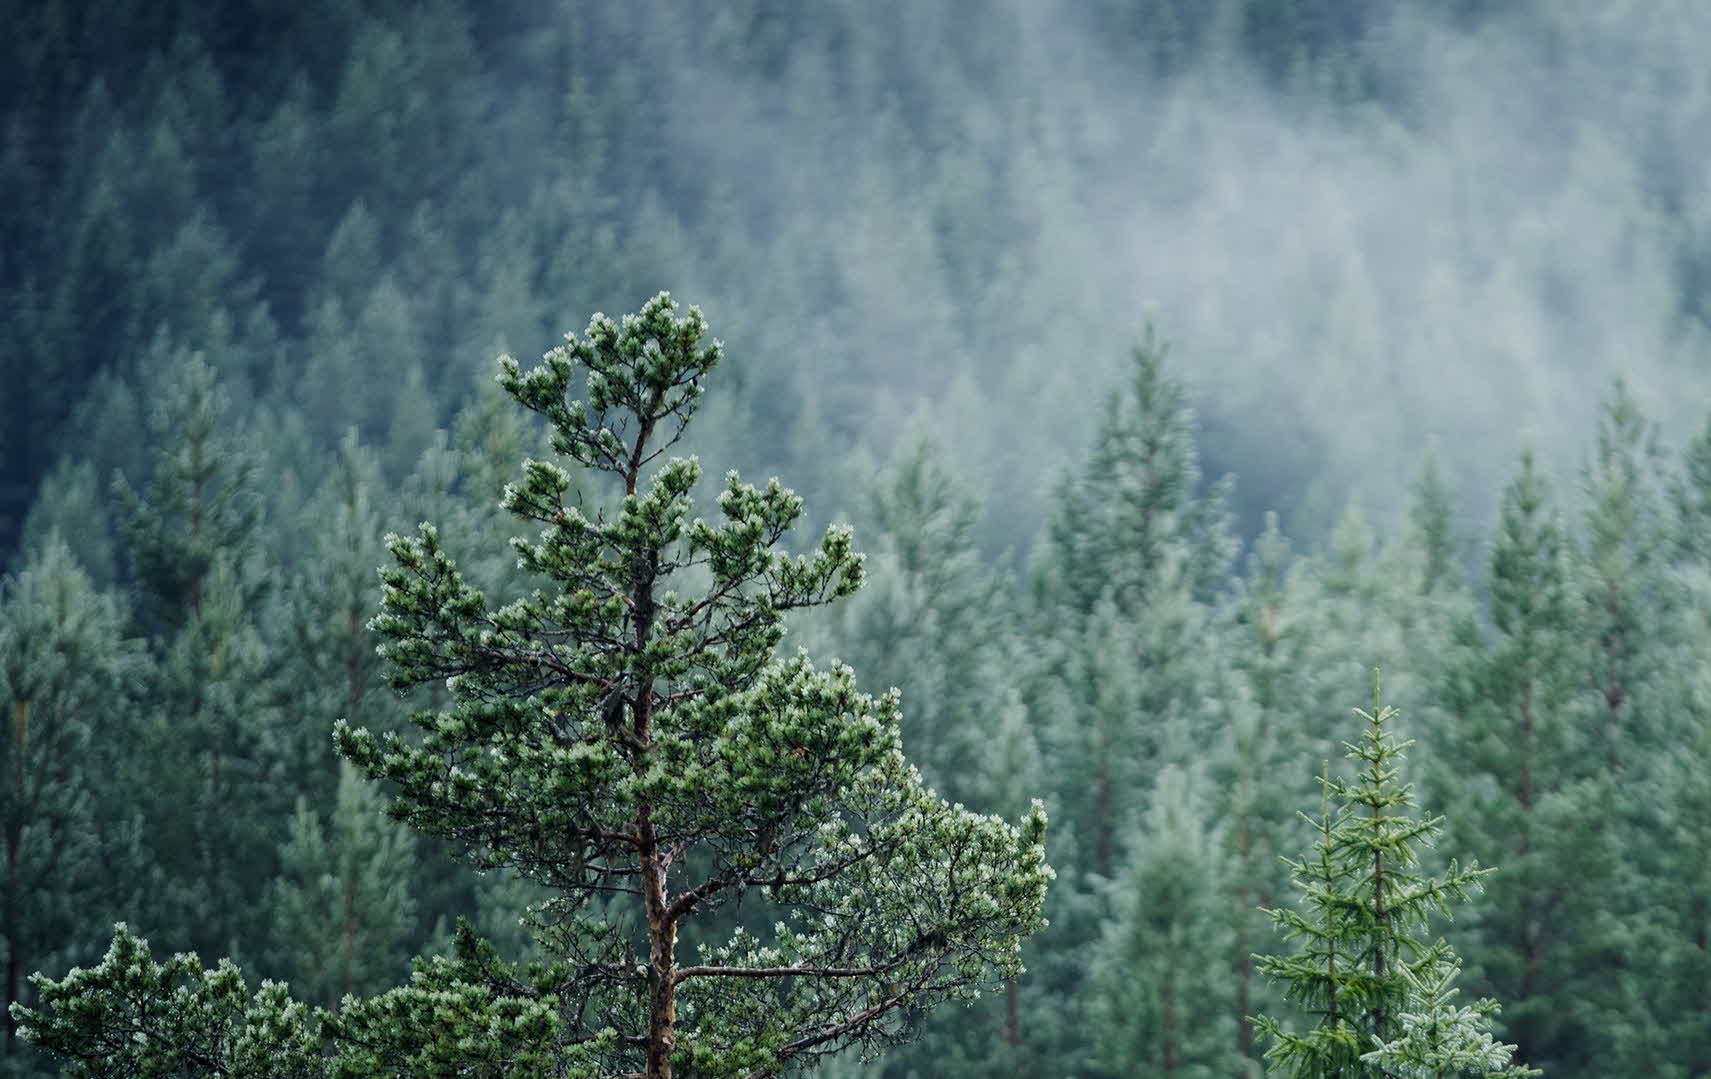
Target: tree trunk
(662, 966)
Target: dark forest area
(1175, 364)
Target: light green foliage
(1363, 961)
(1158, 1001)
(1438, 1039)
(133, 1015)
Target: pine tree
(1135, 553)
(626, 737)
(1523, 764)
(72, 850)
(1161, 1004)
(925, 621)
(341, 905)
(1363, 969)
(208, 734)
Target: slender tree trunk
(1381, 917)
(1527, 723)
(1013, 995)
(662, 967)
(1168, 1032)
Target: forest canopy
(1177, 362)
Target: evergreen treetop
(1364, 967)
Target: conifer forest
(931, 540)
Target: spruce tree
(1161, 1002)
(927, 621)
(1623, 598)
(1676, 1029)
(1267, 646)
(342, 907)
(1135, 552)
(1522, 761)
(1364, 969)
(72, 844)
(625, 736)
(210, 740)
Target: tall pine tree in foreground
(1379, 989)
(625, 737)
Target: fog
(1469, 269)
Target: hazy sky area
(1342, 288)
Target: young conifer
(1365, 968)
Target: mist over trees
(1176, 363)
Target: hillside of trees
(1175, 363)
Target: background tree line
(257, 260)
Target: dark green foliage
(929, 619)
(604, 730)
(211, 746)
(72, 855)
(1523, 763)
(1135, 551)
(131, 1014)
(627, 740)
(931, 219)
(342, 910)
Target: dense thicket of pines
(256, 261)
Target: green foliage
(341, 907)
(632, 718)
(930, 618)
(1153, 1005)
(1438, 1039)
(71, 836)
(1521, 761)
(210, 742)
(1373, 984)
(131, 1014)
(342, 207)
(1135, 552)
(625, 736)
